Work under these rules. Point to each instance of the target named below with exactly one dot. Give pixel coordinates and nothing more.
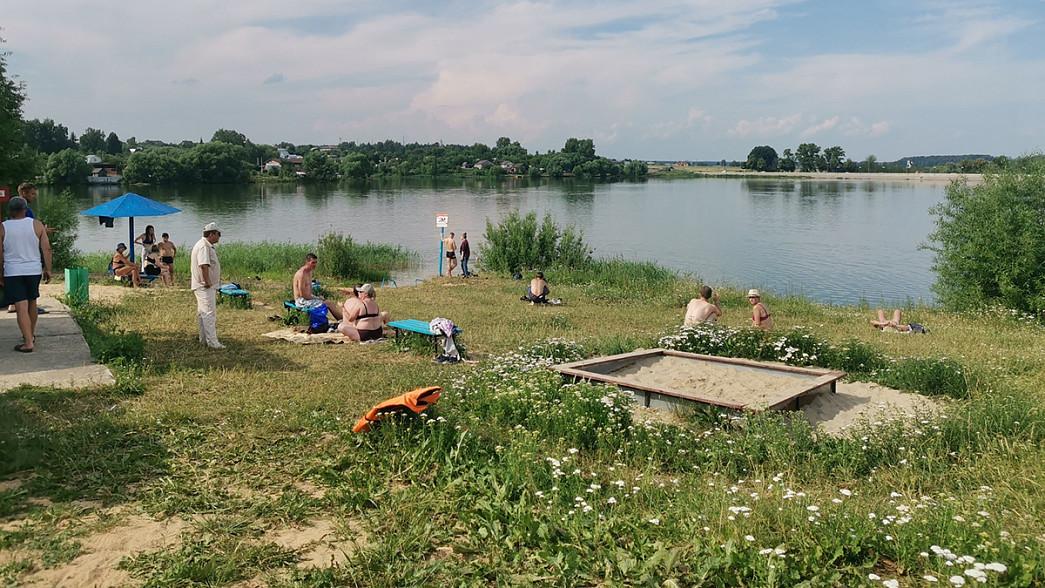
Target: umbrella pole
(130, 241)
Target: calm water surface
(838, 242)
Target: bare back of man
(303, 296)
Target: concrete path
(60, 358)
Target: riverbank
(717, 172)
(239, 466)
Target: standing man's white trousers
(207, 316)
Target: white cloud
(767, 126)
(825, 125)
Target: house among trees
(509, 167)
(272, 166)
(483, 164)
(104, 173)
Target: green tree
(871, 163)
(16, 158)
(635, 169)
(47, 136)
(68, 166)
(113, 145)
(834, 158)
(356, 166)
(217, 163)
(990, 241)
(318, 167)
(787, 161)
(92, 141)
(808, 156)
(762, 158)
(584, 148)
(61, 214)
(164, 165)
(230, 136)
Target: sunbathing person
(538, 291)
(303, 296)
(123, 267)
(363, 320)
(760, 316)
(703, 310)
(167, 252)
(896, 324)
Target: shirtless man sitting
(303, 297)
(704, 309)
(537, 293)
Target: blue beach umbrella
(129, 206)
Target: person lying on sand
(704, 309)
(896, 325)
(760, 316)
(538, 291)
(303, 297)
(364, 320)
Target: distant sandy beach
(837, 176)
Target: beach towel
(445, 328)
(415, 401)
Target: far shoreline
(925, 177)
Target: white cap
(753, 293)
(211, 227)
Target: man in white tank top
(25, 257)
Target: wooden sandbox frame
(600, 369)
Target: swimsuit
(370, 334)
(451, 255)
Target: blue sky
(660, 79)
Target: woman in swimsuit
(146, 240)
(760, 316)
(363, 319)
(123, 267)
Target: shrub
(990, 241)
(60, 213)
(519, 242)
(930, 376)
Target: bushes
(929, 376)
(990, 241)
(341, 257)
(519, 243)
(59, 213)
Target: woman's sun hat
(753, 293)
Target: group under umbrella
(129, 206)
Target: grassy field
(515, 478)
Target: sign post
(442, 220)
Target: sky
(657, 79)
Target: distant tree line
(810, 157)
(230, 157)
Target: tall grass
(519, 243)
(339, 256)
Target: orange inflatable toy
(415, 401)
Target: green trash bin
(76, 285)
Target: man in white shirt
(25, 258)
(206, 277)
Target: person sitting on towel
(537, 293)
(895, 325)
(363, 320)
(303, 296)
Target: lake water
(834, 241)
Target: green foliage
(990, 241)
(787, 161)
(318, 167)
(809, 158)
(229, 136)
(16, 162)
(92, 141)
(931, 376)
(762, 158)
(67, 167)
(341, 257)
(635, 169)
(61, 213)
(519, 242)
(162, 165)
(834, 158)
(217, 163)
(356, 166)
(47, 136)
(107, 343)
(113, 145)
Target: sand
(861, 402)
(97, 292)
(318, 544)
(748, 387)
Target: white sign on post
(442, 220)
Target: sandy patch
(859, 402)
(97, 292)
(318, 544)
(717, 382)
(96, 566)
(8, 485)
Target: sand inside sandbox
(718, 382)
